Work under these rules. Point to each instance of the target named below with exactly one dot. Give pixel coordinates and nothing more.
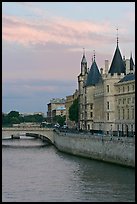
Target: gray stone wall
(106, 148)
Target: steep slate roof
(94, 75)
(128, 77)
(131, 63)
(117, 65)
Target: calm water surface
(35, 172)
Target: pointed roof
(117, 65)
(94, 75)
(131, 62)
(83, 59)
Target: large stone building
(107, 97)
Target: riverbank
(105, 148)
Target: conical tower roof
(131, 63)
(117, 65)
(94, 75)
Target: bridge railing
(26, 128)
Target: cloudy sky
(42, 47)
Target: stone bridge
(42, 133)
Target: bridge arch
(42, 137)
(46, 134)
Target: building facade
(55, 107)
(107, 97)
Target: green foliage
(14, 120)
(73, 111)
(13, 117)
(13, 114)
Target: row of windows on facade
(126, 114)
(123, 88)
(125, 126)
(126, 100)
(123, 100)
(122, 127)
(120, 89)
(91, 106)
(120, 102)
(121, 114)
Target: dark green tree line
(73, 111)
(13, 117)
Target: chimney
(127, 66)
(106, 66)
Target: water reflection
(103, 181)
(23, 142)
(44, 174)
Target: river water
(35, 172)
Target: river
(35, 172)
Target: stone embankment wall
(110, 149)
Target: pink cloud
(57, 30)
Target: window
(107, 88)
(91, 114)
(123, 89)
(107, 116)
(132, 129)
(133, 87)
(123, 113)
(127, 113)
(119, 114)
(91, 106)
(119, 100)
(124, 100)
(108, 105)
(128, 100)
(128, 88)
(133, 113)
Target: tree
(38, 118)
(13, 114)
(73, 111)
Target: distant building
(61, 110)
(55, 107)
(38, 113)
(107, 100)
(35, 113)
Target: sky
(42, 47)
